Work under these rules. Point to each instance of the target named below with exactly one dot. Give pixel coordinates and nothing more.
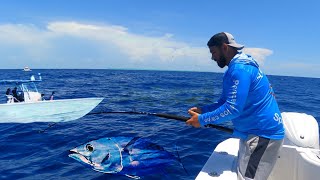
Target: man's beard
(222, 62)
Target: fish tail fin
(179, 159)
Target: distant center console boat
(25, 104)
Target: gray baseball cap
(224, 37)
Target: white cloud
(259, 54)
(71, 44)
(137, 47)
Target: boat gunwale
(50, 101)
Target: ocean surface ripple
(28, 154)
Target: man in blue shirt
(248, 101)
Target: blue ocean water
(28, 154)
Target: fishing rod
(163, 115)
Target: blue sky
(282, 35)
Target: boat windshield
(29, 87)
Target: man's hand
(194, 121)
(195, 109)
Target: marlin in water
(129, 156)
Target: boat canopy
(19, 81)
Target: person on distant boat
(15, 95)
(8, 92)
(10, 98)
(42, 97)
(20, 95)
(249, 102)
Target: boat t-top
(26, 104)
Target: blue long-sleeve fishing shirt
(248, 100)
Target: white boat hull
(222, 162)
(47, 111)
(295, 162)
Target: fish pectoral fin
(132, 176)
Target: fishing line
(49, 126)
(179, 159)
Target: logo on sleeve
(260, 74)
(277, 117)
